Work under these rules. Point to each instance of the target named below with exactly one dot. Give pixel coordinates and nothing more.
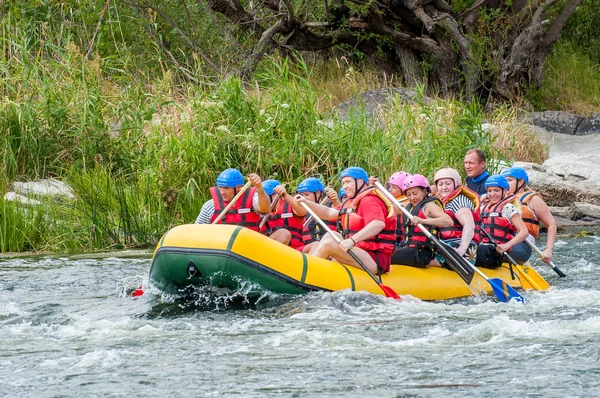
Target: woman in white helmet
(462, 205)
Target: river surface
(68, 327)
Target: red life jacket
(241, 213)
(497, 226)
(529, 218)
(414, 237)
(455, 231)
(401, 223)
(285, 218)
(351, 223)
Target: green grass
(140, 149)
(571, 82)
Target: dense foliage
(121, 107)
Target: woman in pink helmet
(394, 185)
(418, 250)
(462, 205)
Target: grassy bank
(140, 148)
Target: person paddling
(284, 222)
(394, 186)
(245, 211)
(462, 205)
(501, 219)
(418, 250)
(533, 209)
(313, 190)
(368, 222)
(475, 163)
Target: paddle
(230, 205)
(541, 255)
(324, 202)
(459, 264)
(512, 262)
(268, 215)
(502, 290)
(386, 289)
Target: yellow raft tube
(225, 255)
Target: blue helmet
(230, 178)
(497, 180)
(517, 173)
(269, 186)
(355, 172)
(311, 184)
(341, 194)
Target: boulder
(584, 212)
(370, 101)
(50, 187)
(591, 125)
(15, 197)
(562, 181)
(555, 121)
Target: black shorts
(487, 256)
(411, 256)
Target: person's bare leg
(330, 248)
(310, 248)
(282, 236)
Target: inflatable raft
(228, 255)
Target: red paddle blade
(138, 292)
(389, 292)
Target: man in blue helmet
(313, 190)
(246, 210)
(367, 220)
(474, 162)
(284, 222)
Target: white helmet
(448, 173)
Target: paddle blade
(504, 291)
(389, 292)
(138, 292)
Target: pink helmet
(416, 180)
(448, 173)
(398, 178)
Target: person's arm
(206, 212)
(333, 196)
(521, 235)
(264, 202)
(465, 218)
(296, 208)
(541, 210)
(435, 216)
(324, 212)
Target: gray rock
(591, 125)
(371, 101)
(50, 187)
(556, 121)
(584, 212)
(15, 197)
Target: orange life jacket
(497, 226)
(351, 223)
(241, 213)
(285, 218)
(529, 218)
(455, 231)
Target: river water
(69, 328)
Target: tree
(484, 48)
